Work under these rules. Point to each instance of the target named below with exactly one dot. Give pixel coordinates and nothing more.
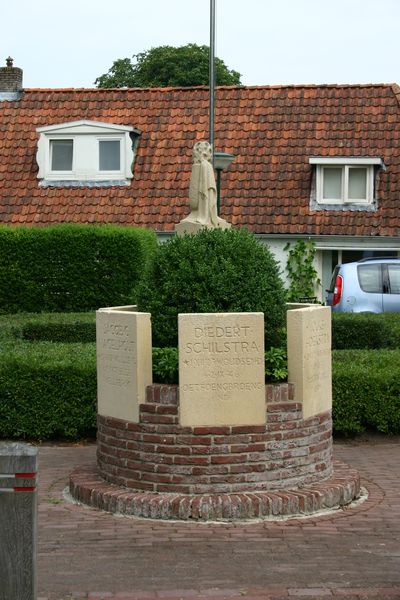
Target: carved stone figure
(202, 194)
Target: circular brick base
(157, 454)
(158, 469)
(342, 488)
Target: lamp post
(212, 73)
(222, 160)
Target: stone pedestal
(190, 227)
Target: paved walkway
(352, 554)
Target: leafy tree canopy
(166, 66)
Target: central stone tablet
(221, 369)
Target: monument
(221, 444)
(202, 194)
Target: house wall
(277, 248)
(330, 250)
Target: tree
(166, 66)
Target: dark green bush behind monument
(70, 267)
(212, 271)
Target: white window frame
(85, 136)
(345, 164)
(121, 157)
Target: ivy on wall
(302, 275)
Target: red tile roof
(272, 131)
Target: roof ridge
(203, 87)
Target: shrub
(276, 368)
(70, 267)
(47, 391)
(365, 330)
(366, 391)
(165, 365)
(212, 271)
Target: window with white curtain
(61, 155)
(345, 184)
(346, 180)
(109, 155)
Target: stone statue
(202, 194)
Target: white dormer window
(86, 152)
(345, 180)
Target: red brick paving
(352, 554)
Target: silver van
(369, 285)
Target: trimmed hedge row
(366, 391)
(365, 330)
(55, 327)
(48, 391)
(71, 267)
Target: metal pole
(218, 191)
(212, 74)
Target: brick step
(87, 487)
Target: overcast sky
(69, 44)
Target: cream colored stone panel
(221, 369)
(188, 226)
(124, 361)
(309, 357)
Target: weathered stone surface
(309, 357)
(202, 194)
(124, 362)
(221, 369)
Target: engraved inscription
(211, 341)
(221, 370)
(317, 352)
(116, 354)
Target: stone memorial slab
(221, 369)
(309, 357)
(124, 361)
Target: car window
(370, 278)
(394, 278)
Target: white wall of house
(330, 250)
(277, 246)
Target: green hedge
(71, 267)
(59, 332)
(48, 391)
(366, 391)
(55, 327)
(365, 330)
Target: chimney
(10, 81)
